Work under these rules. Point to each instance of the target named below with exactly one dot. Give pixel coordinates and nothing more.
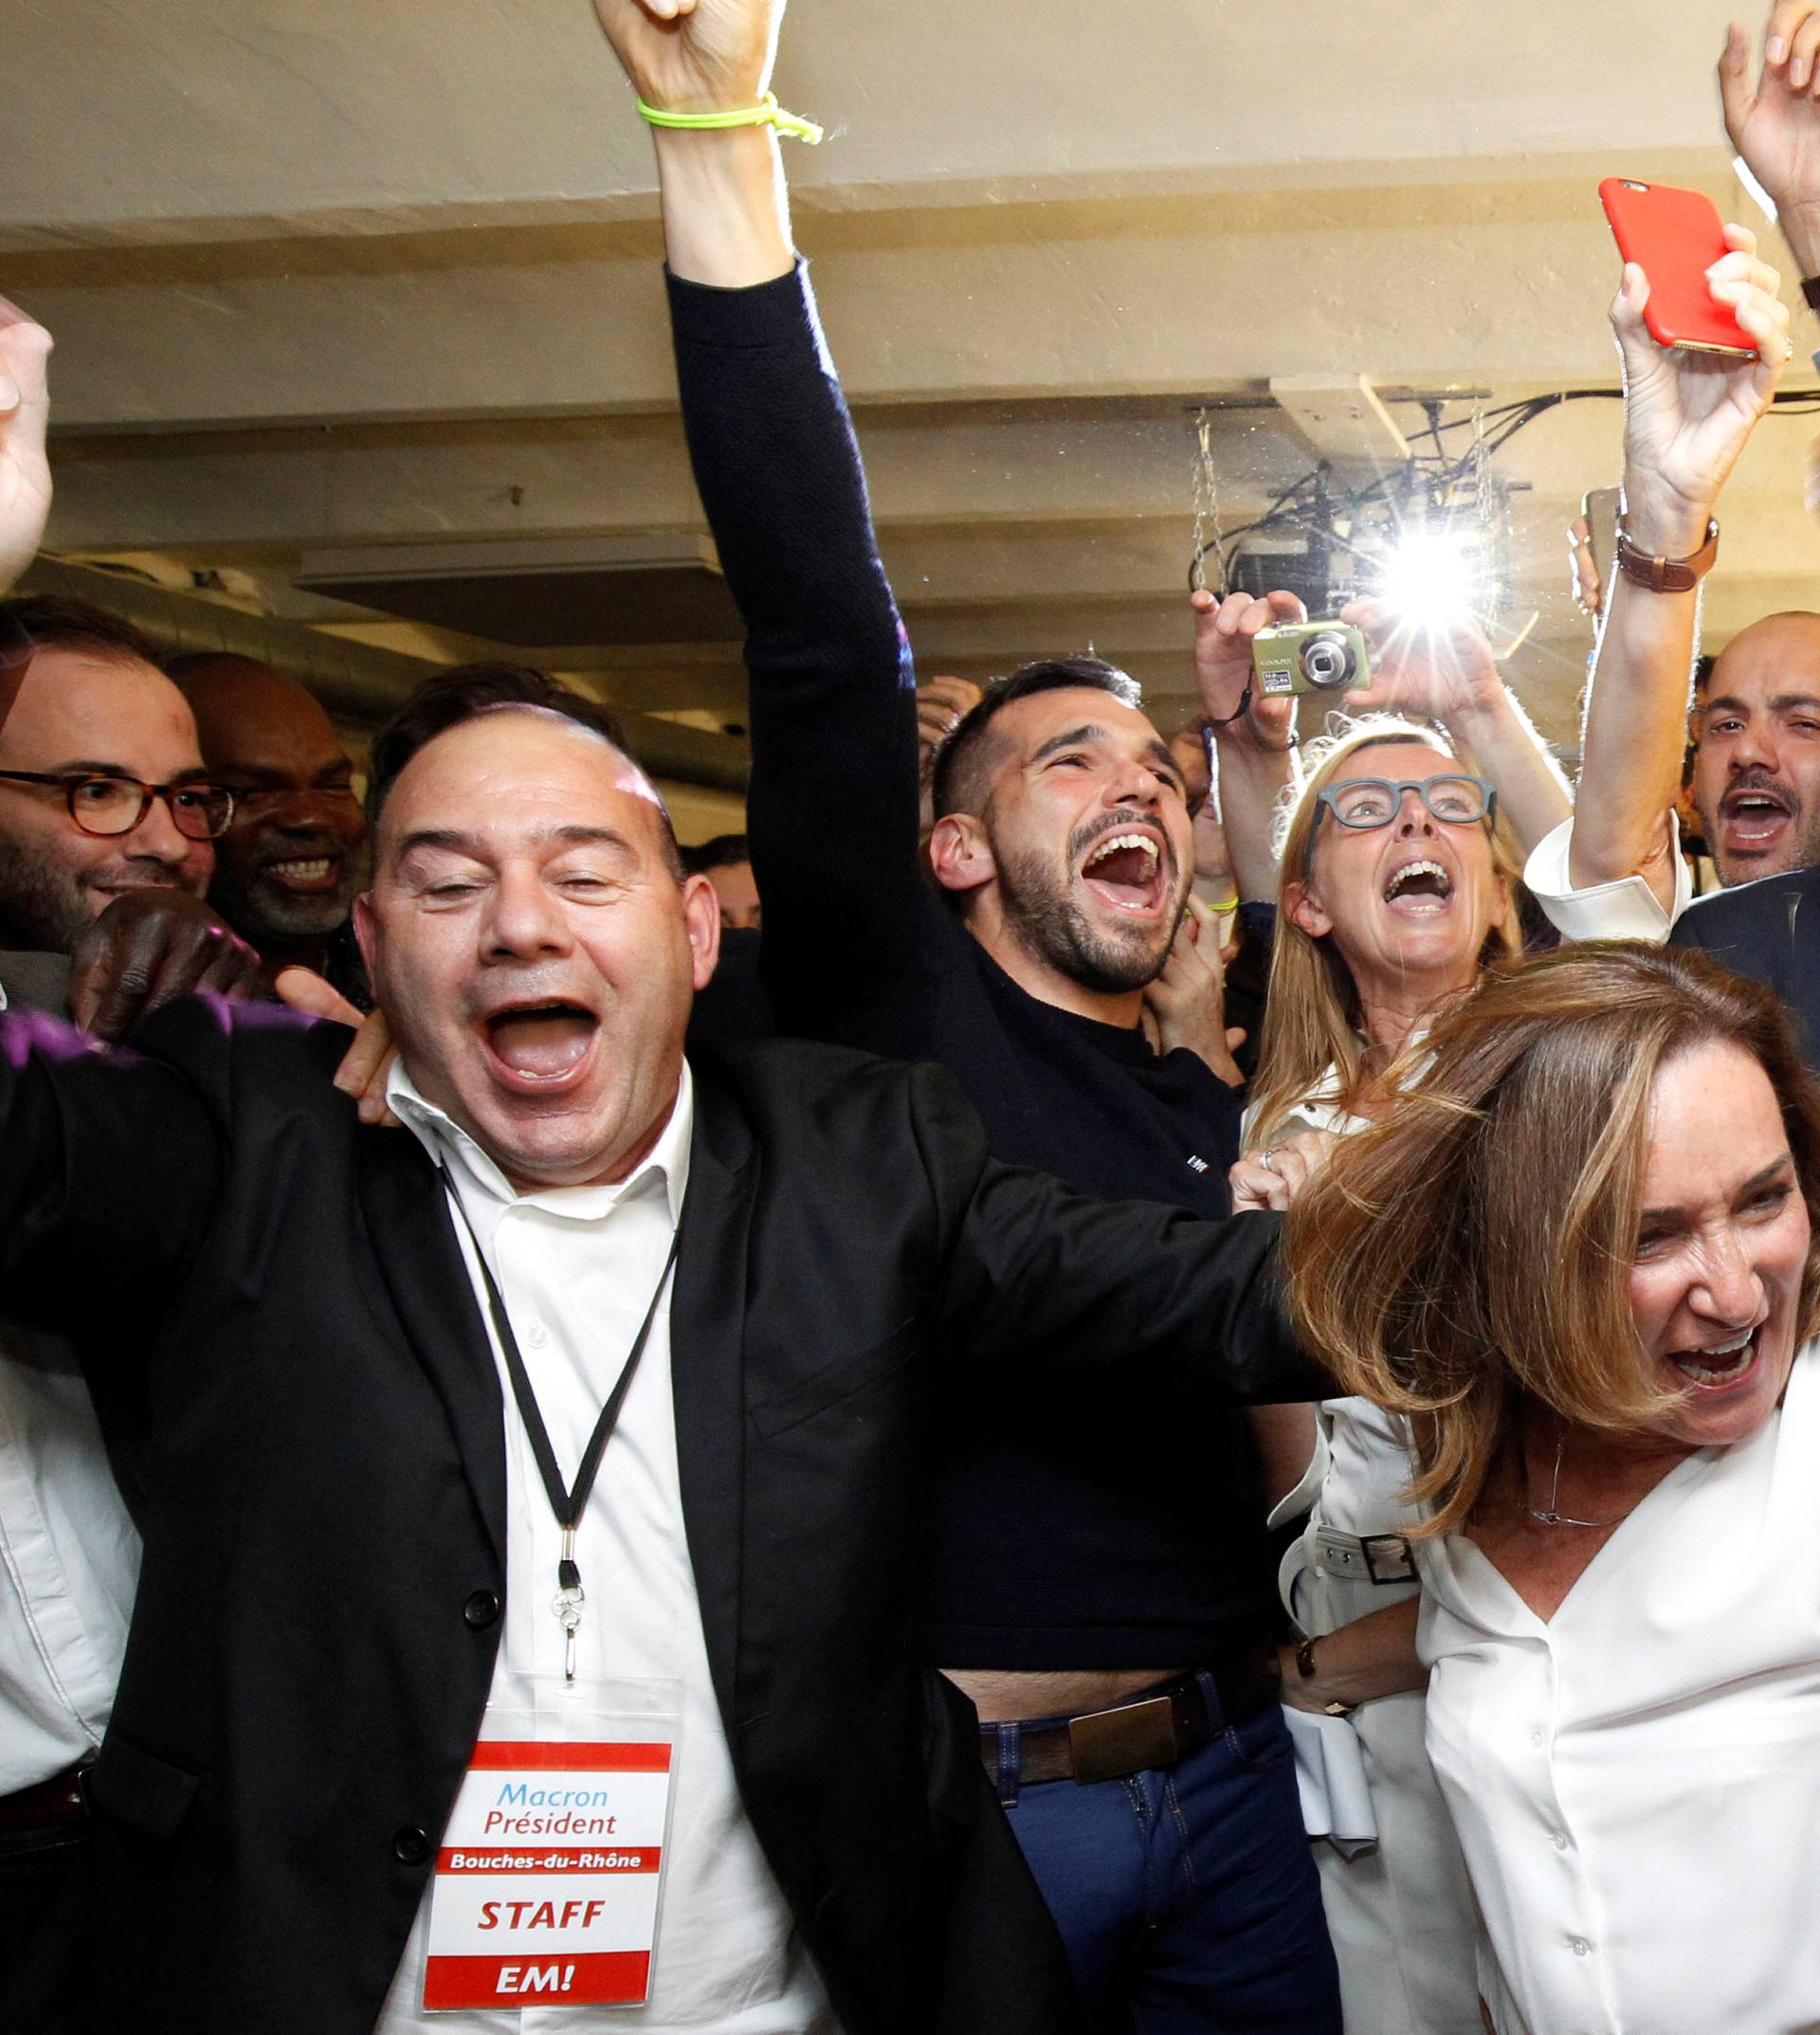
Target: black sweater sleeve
(832, 811)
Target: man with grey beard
(287, 869)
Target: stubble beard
(1050, 924)
(45, 908)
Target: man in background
(287, 869)
(726, 863)
(105, 847)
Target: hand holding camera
(1225, 631)
(1441, 670)
(1309, 657)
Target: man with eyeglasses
(105, 826)
(102, 787)
(291, 861)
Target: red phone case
(1674, 236)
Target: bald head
(1756, 767)
(286, 870)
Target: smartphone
(1675, 236)
(1599, 506)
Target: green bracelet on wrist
(768, 113)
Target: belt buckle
(1109, 1744)
(1405, 1571)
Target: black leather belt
(42, 1807)
(1154, 1728)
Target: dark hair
(47, 622)
(724, 852)
(967, 758)
(462, 693)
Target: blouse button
(1535, 1737)
(1578, 1945)
(1560, 1839)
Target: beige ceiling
(363, 274)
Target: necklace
(1553, 1515)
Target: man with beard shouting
(1101, 1589)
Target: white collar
(442, 1137)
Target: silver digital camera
(1309, 657)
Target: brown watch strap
(1666, 575)
(1811, 291)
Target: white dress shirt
(577, 1267)
(1636, 1783)
(1625, 908)
(69, 1562)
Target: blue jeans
(1187, 1896)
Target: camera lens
(1327, 659)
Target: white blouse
(1636, 1783)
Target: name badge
(549, 1876)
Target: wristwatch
(1305, 1668)
(1666, 575)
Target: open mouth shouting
(541, 1048)
(1755, 817)
(1128, 869)
(1419, 888)
(1719, 1365)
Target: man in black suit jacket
(1769, 930)
(325, 1454)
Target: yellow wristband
(768, 113)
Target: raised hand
(1775, 126)
(1439, 669)
(1186, 1005)
(1223, 633)
(1687, 414)
(695, 56)
(147, 947)
(25, 409)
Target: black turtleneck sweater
(1124, 1533)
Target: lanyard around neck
(566, 1501)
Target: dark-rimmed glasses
(103, 805)
(1365, 803)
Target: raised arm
(24, 412)
(1687, 417)
(1254, 739)
(1775, 124)
(833, 805)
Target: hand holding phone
(1689, 409)
(1675, 236)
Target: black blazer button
(410, 1846)
(480, 1610)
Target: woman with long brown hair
(1577, 1255)
(1397, 894)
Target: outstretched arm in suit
(111, 1167)
(1100, 1296)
